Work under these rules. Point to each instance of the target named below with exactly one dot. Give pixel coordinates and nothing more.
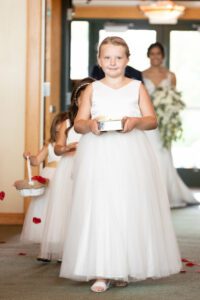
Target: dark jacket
(130, 72)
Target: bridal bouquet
(168, 104)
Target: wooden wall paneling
(191, 14)
(12, 218)
(124, 12)
(108, 12)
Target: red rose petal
(2, 195)
(40, 179)
(184, 260)
(197, 271)
(183, 271)
(22, 253)
(190, 264)
(36, 220)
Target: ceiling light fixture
(162, 12)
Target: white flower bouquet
(168, 104)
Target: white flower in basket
(33, 186)
(168, 104)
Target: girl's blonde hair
(116, 41)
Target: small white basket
(32, 192)
(30, 188)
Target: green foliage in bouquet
(168, 104)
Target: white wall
(12, 100)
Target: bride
(158, 76)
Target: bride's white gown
(178, 193)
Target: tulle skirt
(58, 210)
(32, 232)
(120, 224)
(178, 193)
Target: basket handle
(30, 181)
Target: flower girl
(60, 193)
(35, 217)
(120, 227)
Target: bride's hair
(156, 45)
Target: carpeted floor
(22, 277)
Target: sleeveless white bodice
(72, 135)
(51, 155)
(115, 103)
(150, 86)
(71, 138)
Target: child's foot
(100, 286)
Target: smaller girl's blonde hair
(116, 41)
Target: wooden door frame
(36, 124)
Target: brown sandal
(120, 283)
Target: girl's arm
(37, 159)
(83, 122)
(148, 120)
(60, 146)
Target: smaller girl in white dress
(120, 227)
(61, 189)
(35, 217)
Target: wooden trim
(52, 60)
(11, 218)
(33, 81)
(191, 14)
(108, 12)
(34, 76)
(124, 12)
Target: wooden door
(43, 65)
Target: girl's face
(156, 57)
(113, 60)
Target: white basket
(32, 192)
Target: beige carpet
(24, 278)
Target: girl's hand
(66, 149)
(26, 154)
(93, 125)
(129, 123)
(71, 147)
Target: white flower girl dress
(120, 224)
(32, 232)
(59, 205)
